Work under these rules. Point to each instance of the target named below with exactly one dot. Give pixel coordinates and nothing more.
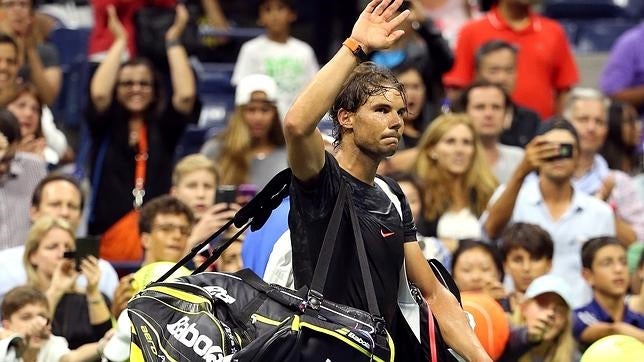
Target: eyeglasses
(16, 4)
(168, 228)
(132, 83)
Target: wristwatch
(356, 49)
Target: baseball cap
(255, 83)
(549, 284)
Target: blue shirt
(586, 217)
(258, 245)
(593, 313)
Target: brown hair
(19, 297)
(165, 205)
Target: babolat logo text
(186, 333)
(220, 293)
(359, 340)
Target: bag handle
(324, 259)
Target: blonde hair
(561, 348)
(234, 155)
(478, 181)
(192, 163)
(39, 229)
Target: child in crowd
(527, 251)
(605, 269)
(289, 61)
(636, 301)
(544, 320)
(27, 331)
(477, 267)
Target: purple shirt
(625, 65)
(594, 313)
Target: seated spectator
(289, 61)
(58, 196)
(165, 225)
(587, 110)
(477, 267)
(37, 58)
(542, 328)
(80, 315)
(621, 77)
(134, 134)
(27, 334)
(28, 107)
(432, 247)
(487, 105)
(636, 300)
(194, 181)
(527, 251)
(624, 136)
(496, 61)
(551, 201)
(605, 269)
(252, 148)
(451, 167)
(546, 68)
(19, 174)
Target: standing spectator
(459, 183)
(546, 68)
(496, 61)
(58, 196)
(551, 201)
(527, 252)
(587, 110)
(623, 74)
(624, 134)
(606, 270)
(544, 328)
(451, 15)
(487, 105)
(134, 134)
(80, 315)
(289, 61)
(251, 148)
(38, 59)
(20, 172)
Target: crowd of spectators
(526, 186)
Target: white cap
(255, 83)
(549, 284)
(117, 349)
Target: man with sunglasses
(19, 174)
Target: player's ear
(345, 118)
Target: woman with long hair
(624, 137)
(545, 316)
(80, 314)
(457, 180)
(251, 149)
(134, 133)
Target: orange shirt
(545, 63)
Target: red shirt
(101, 38)
(545, 63)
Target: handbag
(178, 320)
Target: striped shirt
(16, 187)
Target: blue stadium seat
(571, 28)
(587, 9)
(600, 35)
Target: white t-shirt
(461, 224)
(52, 351)
(292, 65)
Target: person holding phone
(551, 201)
(80, 315)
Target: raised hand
(376, 26)
(114, 24)
(213, 219)
(91, 271)
(122, 295)
(180, 21)
(537, 152)
(64, 275)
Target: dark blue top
(594, 313)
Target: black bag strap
(370, 291)
(326, 252)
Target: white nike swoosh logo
(378, 212)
